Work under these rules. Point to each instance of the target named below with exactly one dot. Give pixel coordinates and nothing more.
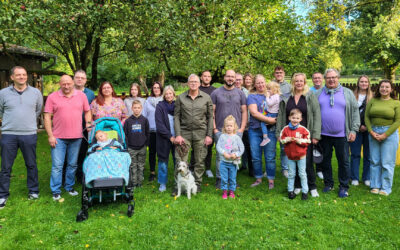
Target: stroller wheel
(131, 209)
(82, 216)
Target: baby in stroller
(103, 141)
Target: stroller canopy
(107, 124)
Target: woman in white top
(363, 94)
(134, 94)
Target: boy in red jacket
(296, 139)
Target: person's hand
(226, 155)
(233, 156)
(52, 141)
(208, 141)
(112, 147)
(381, 137)
(270, 120)
(179, 140)
(374, 135)
(172, 139)
(314, 141)
(268, 93)
(215, 131)
(363, 128)
(99, 148)
(352, 137)
(88, 127)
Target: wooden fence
(374, 87)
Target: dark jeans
(355, 148)
(152, 151)
(246, 157)
(9, 149)
(309, 170)
(207, 161)
(342, 155)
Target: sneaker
(320, 175)
(271, 184)
(72, 192)
(3, 202)
(231, 194)
(343, 193)
(264, 142)
(209, 174)
(291, 195)
(285, 173)
(218, 183)
(225, 195)
(256, 183)
(174, 192)
(33, 196)
(383, 193)
(162, 188)
(56, 197)
(367, 183)
(314, 193)
(355, 183)
(304, 196)
(297, 191)
(327, 189)
(152, 177)
(375, 191)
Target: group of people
(244, 118)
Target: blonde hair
(169, 87)
(305, 89)
(137, 102)
(230, 118)
(356, 91)
(275, 88)
(253, 89)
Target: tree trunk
(142, 82)
(161, 78)
(95, 60)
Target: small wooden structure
(30, 59)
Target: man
(317, 78)
(228, 100)
(193, 123)
(20, 106)
(340, 121)
(279, 77)
(206, 87)
(317, 81)
(65, 132)
(80, 82)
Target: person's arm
(220, 145)
(177, 122)
(355, 117)
(124, 111)
(1, 106)
(147, 132)
(39, 104)
(215, 130)
(316, 113)
(396, 122)
(284, 138)
(240, 145)
(244, 118)
(48, 126)
(88, 120)
(257, 115)
(161, 126)
(305, 138)
(210, 123)
(281, 119)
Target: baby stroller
(111, 176)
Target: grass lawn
(257, 218)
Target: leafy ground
(257, 218)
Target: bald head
(66, 84)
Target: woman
(363, 94)
(254, 102)
(134, 94)
(246, 157)
(165, 134)
(304, 100)
(382, 118)
(148, 112)
(107, 104)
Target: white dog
(185, 180)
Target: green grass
(257, 218)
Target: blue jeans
(284, 159)
(163, 168)
(301, 164)
(383, 159)
(355, 148)
(64, 148)
(264, 126)
(255, 137)
(228, 172)
(9, 150)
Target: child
(137, 133)
(102, 141)
(296, 139)
(270, 108)
(230, 147)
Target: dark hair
(138, 88)
(295, 111)
(16, 67)
(205, 71)
(152, 91)
(100, 96)
(378, 94)
(279, 68)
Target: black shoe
(304, 196)
(152, 177)
(198, 188)
(291, 195)
(218, 183)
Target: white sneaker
(354, 183)
(56, 197)
(320, 175)
(314, 193)
(3, 202)
(72, 192)
(367, 183)
(297, 191)
(285, 173)
(209, 174)
(162, 188)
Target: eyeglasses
(331, 78)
